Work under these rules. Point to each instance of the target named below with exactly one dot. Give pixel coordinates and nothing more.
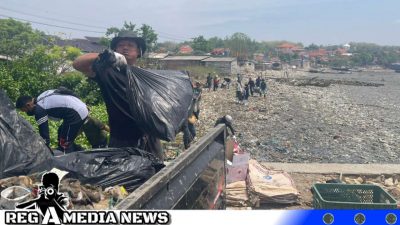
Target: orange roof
(185, 49)
(319, 52)
(341, 51)
(287, 46)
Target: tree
(16, 38)
(200, 44)
(61, 57)
(215, 42)
(312, 47)
(240, 45)
(149, 35)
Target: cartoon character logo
(49, 199)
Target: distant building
(288, 48)
(342, 52)
(90, 44)
(220, 51)
(158, 56)
(185, 49)
(259, 57)
(262, 66)
(246, 66)
(177, 62)
(318, 53)
(225, 65)
(153, 59)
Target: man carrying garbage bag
(128, 112)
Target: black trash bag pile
(159, 99)
(21, 149)
(128, 167)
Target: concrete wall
(225, 68)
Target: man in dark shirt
(124, 132)
(51, 104)
(258, 81)
(251, 85)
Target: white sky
(307, 21)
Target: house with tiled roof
(185, 49)
(87, 45)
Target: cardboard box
(229, 144)
(237, 170)
(240, 159)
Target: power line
(77, 29)
(52, 25)
(53, 19)
(164, 34)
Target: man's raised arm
(84, 63)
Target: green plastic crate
(351, 196)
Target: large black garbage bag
(21, 148)
(128, 167)
(160, 100)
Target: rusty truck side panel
(194, 180)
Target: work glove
(110, 58)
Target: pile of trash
(332, 124)
(80, 196)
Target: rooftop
(154, 55)
(219, 59)
(190, 57)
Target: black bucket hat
(129, 35)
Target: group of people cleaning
(62, 104)
(215, 82)
(250, 88)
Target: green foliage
(16, 38)
(62, 57)
(7, 82)
(312, 47)
(215, 42)
(367, 54)
(339, 62)
(34, 73)
(200, 44)
(240, 45)
(149, 35)
(362, 59)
